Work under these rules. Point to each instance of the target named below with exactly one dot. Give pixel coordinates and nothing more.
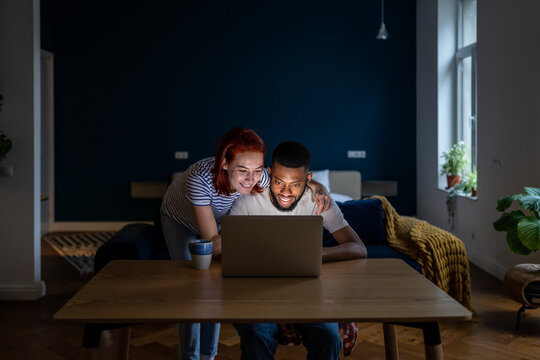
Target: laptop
(271, 245)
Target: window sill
(460, 194)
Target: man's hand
(350, 246)
(321, 196)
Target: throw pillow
(322, 177)
(340, 197)
(366, 218)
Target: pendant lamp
(383, 34)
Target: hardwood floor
(28, 332)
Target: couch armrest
(133, 241)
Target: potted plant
(522, 231)
(5, 142)
(454, 164)
(469, 184)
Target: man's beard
(277, 205)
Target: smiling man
(288, 194)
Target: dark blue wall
(136, 81)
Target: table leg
(125, 334)
(390, 341)
(432, 341)
(91, 341)
(90, 354)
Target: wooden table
(367, 290)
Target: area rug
(79, 248)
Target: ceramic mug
(201, 253)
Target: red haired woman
(194, 204)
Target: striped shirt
(196, 187)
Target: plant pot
(473, 192)
(452, 180)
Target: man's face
(287, 186)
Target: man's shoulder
(249, 204)
(307, 203)
(253, 198)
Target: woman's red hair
(235, 141)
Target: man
(288, 194)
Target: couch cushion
(385, 251)
(133, 241)
(366, 218)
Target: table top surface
(370, 290)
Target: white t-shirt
(261, 204)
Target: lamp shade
(383, 34)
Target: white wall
(20, 261)
(508, 123)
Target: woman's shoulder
(200, 173)
(205, 164)
(202, 167)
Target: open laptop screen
(272, 245)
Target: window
(466, 117)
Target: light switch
(181, 155)
(356, 154)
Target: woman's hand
(216, 247)
(208, 227)
(321, 196)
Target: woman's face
(245, 171)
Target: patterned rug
(78, 248)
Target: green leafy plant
(469, 184)
(522, 231)
(5, 142)
(454, 160)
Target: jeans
(195, 339)
(258, 341)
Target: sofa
(144, 241)
(435, 253)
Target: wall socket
(181, 155)
(356, 154)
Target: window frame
(461, 54)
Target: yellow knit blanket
(441, 256)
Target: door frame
(47, 120)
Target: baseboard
(22, 292)
(487, 264)
(93, 226)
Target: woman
(195, 202)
